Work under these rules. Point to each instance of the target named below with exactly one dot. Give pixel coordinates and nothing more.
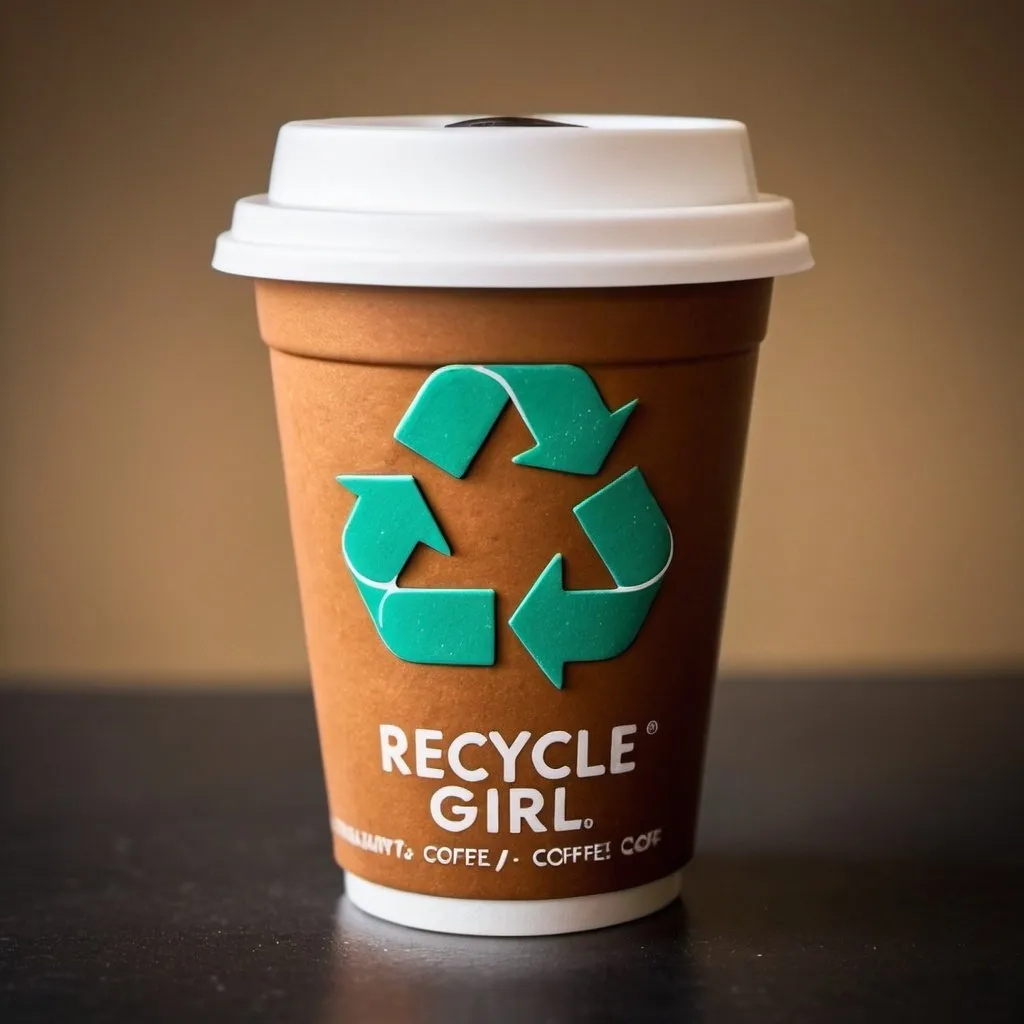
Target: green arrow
(557, 625)
(449, 419)
(561, 407)
(630, 533)
(457, 406)
(429, 627)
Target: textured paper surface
(346, 364)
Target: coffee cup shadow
(384, 972)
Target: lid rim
(555, 270)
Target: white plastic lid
(605, 201)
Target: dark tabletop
(166, 858)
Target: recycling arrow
(629, 531)
(430, 627)
(458, 405)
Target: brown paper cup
(512, 604)
(606, 839)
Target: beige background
(144, 534)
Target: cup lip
(478, 260)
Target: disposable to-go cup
(513, 362)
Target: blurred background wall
(144, 532)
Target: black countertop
(166, 858)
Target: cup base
(511, 917)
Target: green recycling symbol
(447, 423)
